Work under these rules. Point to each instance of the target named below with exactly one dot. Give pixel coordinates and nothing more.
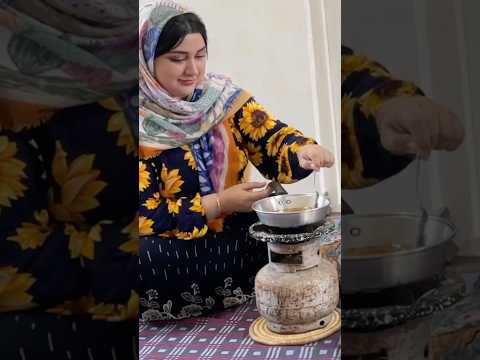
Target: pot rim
(402, 253)
(304, 211)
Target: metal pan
(292, 210)
(380, 251)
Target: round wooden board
(260, 333)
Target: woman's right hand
(240, 198)
(417, 125)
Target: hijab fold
(61, 53)
(166, 122)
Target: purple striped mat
(224, 336)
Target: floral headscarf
(61, 53)
(166, 122)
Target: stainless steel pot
(405, 263)
(292, 210)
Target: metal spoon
(316, 187)
(277, 188)
(424, 215)
(324, 194)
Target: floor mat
(224, 336)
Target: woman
(197, 133)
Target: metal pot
(292, 210)
(404, 263)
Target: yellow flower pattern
(99, 311)
(77, 186)
(354, 163)
(82, 243)
(118, 123)
(243, 159)
(18, 116)
(196, 233)
(33, 235)
(255, 154)
(153, 202)
(189, 157)
(172, 183)
(277, 139)
(11, 173)
(297, 145)
(256, 121)
(62, 204)
(143, 176)
(14, 287)
(359, 63)
(235, 131)
(117, 312)
(132, 245)
(169, 233)
(284, 167)
(145, 226)
(174, 206)
(197, 204)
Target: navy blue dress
(189, 266)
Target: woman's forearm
(211, 204)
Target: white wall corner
(323, 38)
(471, 141)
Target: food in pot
(375, 250)
(295, 209)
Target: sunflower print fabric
(170, 197)
(68, 221)
(366, 85)
(191, 267)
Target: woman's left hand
(314, 157)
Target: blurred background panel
(432, 44)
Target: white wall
(464, 171)
(270, 48)
(325, 39)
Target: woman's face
(183, 68)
